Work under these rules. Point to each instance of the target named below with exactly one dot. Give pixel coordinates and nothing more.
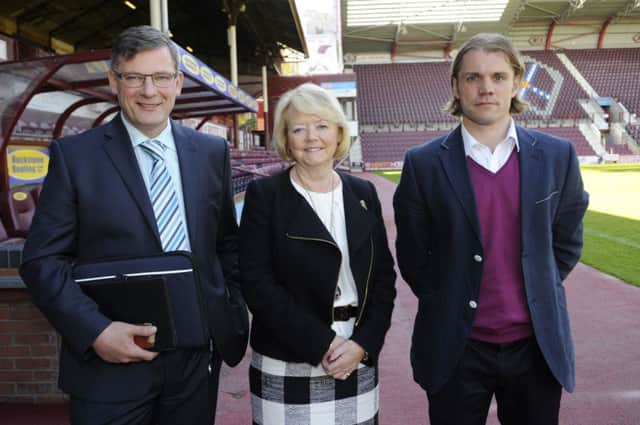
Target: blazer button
(473, 304)
(477, 258)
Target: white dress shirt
(171, 161)
(482, 155)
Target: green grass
(612, 244)
(394, 176)
(612, 223)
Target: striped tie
(165, 200)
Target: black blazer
(440, 251)
(289, 265)
(94, 205)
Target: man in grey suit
(137, 186)
(489, 221)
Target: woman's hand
(342, 358)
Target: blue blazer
(440, 251)
(93, 205)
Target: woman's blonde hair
(489, 42)
(308, 98)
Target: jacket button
(477, 258)
(473, 304)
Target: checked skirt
(284, 393)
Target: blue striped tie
(164, 199)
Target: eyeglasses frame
(120, 75)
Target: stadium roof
(86, 25)
(406, 26)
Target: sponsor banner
(27, 164)
(195, 68)
(383, 165)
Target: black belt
(344, 313)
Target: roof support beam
(603, 30)
(400, 29)
(552, 27)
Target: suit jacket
(94, 205)
(290, 263)
(440, 251)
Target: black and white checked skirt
(285, 393)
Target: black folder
(136, 300)
(163, 290)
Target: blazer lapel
(357, 218)
(304, 222)
(529, 176)
(189, 160)
(453, 161)
(119, 149)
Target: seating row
(391, 146)
(401, 93)
(596, 66)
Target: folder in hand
(162, 289)
(136, 300)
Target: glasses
(135, 80)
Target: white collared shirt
(146, 163)
(482, 155)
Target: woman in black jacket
(317, 274)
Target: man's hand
(115, 344)
(342, 358)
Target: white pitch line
(603, 235)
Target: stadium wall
(29, 350)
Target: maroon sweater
(502, 314)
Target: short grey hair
(310, 98)
(134, 40)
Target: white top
(145, 162)
(482, 155)
(321, 204)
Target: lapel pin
(363, 204)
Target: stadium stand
(247, 165)
(634, 132)
(402, 93)
(392, 96)
(552, 72)
(583, 148)
(391, 146)
(596, 66)
(619, 149)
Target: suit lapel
(304, 222)
(529, 176)
(453, 160)
(119, 149)
(189, 160)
